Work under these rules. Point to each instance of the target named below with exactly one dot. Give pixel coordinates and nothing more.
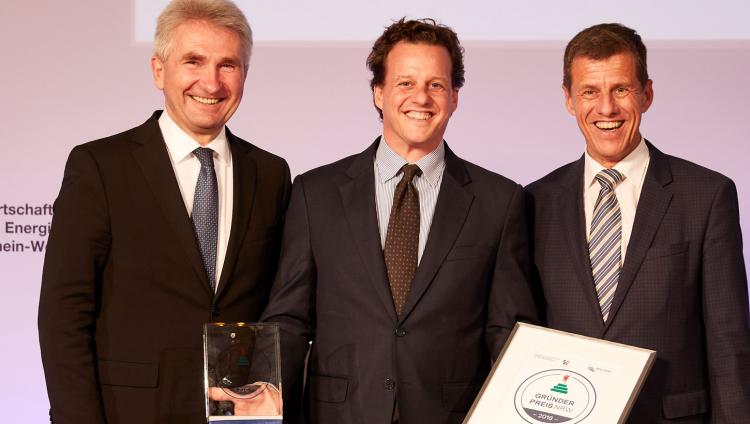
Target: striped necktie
(605, 241)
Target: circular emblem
(555, 396)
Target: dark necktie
(402, 238)
(205, 216)
(605, 240)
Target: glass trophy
(242, 373)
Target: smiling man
(404, 265)
(638, 247)
(158, 230)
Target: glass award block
(242, 373)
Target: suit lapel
(153, 159)
(244, 177)
(358, 197)
(574, 222)
(451, 210)
(652, 205)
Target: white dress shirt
(633, 168)
(388, 173)
(187, 167)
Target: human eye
(622, 92)
(191, 60)
(437, 86)
(228, 66)
(589, 93)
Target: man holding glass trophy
(158, 230)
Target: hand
(267, 402)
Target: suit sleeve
(725, 310)
(292, 302)
(510, 297)
(535, 279)
(287, 189)
(76, 255)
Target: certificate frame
(544, 375)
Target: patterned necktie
(605, 242)
(205, 216)
(402, 238)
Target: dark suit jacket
(682, 290)
(332, 289)
(124, 293)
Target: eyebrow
(193, 55)
(587, 86)
(435, 78)
(201, 57)
(232, 60)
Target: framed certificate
(242, 373)
(550, 376)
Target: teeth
(205, 100)
(422, 116)
(608, 125)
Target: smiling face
(202, 78)
(607, 101)
(416, 97)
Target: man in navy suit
(404, 265)
(638, 247)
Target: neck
(202, 138)
(412, 153)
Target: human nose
(211, 79)
(606, 105)
(421, 95)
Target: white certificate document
(550, 376)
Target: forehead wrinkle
(599, 73)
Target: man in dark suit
(404, 265)
(635, 246)
(158, 230)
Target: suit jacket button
(400, 332)
(215, 311)
(389, 384)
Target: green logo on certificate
(562, 387)
(555, 396)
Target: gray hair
(223, 13)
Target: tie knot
(609, 178)
(205, 156)
(410, 170)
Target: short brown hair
(603, 41)
(222, 13)
(425, 31)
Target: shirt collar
(389, 163)
(181, 145)
(631, 166)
